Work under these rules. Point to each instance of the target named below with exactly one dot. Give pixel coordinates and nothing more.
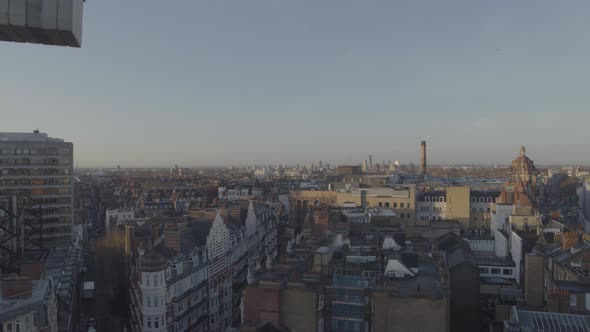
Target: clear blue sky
(210, 82)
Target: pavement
(106, 268)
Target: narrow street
(106, 269)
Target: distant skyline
(203, 83)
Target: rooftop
(10, 307)
(28, 137)
(547, 321)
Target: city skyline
(220, 83)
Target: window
(180, 307)
(9, 327)
(474, 210)
(401, 205)
(156, 280)
(473, 199)
(507, 272)
(149, 301)
(408, 205)
(489, 210)
(162, 300)
(495, 271)
(481, 199)
(28, 324)
(156, 322)
(484, 270)
(427, 199)
(386, 204)
(155, 301)
(380, 204)
(147, 281)
(395, 204)
(149, 323)
(573, 300)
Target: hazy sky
(209, 82)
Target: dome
(153, 262)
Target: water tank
(49, 22)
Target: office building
(37, 169)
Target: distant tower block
(50, 22)
(423, 157)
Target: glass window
(149, 323)
(156, 281)
(484, 270)
(573, 300)
(386, 204)
(495, 271)
(9, 327)
(156, 323)
(401, 205)
(395, 204)
(147, 281)
(149, 301)
(507, 272)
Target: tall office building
(423, 157)
(370, 161)
(37, 170)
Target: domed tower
(153, 291)
(523, 171)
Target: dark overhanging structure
(47, 22)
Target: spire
(218, 218)
(522, 151)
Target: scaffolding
(21, 228)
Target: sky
(220, 82)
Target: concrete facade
(50, 22)
(458, 205)
(409, 313)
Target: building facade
(39, 168)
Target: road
(106, 268)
